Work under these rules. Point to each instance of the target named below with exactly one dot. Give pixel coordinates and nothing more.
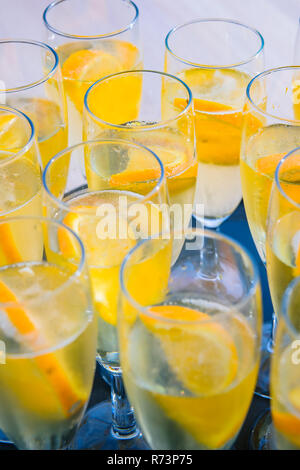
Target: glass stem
(123, 420)
(271, 341)
(209, 259)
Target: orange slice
(9, 252)
(84, 67)
(267, 165)
(128, 54)
(17, 315)
(203, 356)
(48, 363)
(104, 257)
(89, 65)
(206, 106)
(288, 425)
(290, 177)
(218, 130)
(201, 338)
(296, 249)
(12, 132)
(143, 168)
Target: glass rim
(211, 20)
(263, 74)
(30, 140)
(147, 127)
(277, 177)
(285, 307)
(41, 80)
(99, 36)
(65, 206)
(71, 278)
(197, 232)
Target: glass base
(95, 433)
(262, 433)
(263, 381)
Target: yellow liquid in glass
(84, 63)
(20, 195)
(218, 101)
(106, 254)
(283, 256)
(48, 374)
(47, 117)
(177, 157)
(192, 384)
(285, 392)
(258, 165)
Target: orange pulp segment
(195, 335)
(218, 130)
(267, 165)
(288, 425)
(9, 252)
(12, 132)
(85, 66)
(17, 315)
(203, 356)
(289, 176)
(48, 363)
(89, 65)
(144, 168)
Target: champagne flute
(31, 82)
(285, 372)
(190, 347)
(47, 337)
(20, 181)
(282, 250)
(109, 193)
(93, 39)
(271, 129)
(216, 58)
(283, 228)
(134, 105)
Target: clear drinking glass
(20, 182)
(31, 81)
(104, 195)
(47, 337)
(283, 228)
(134, 105)
(93, 39)
(285, 372)
(282, 251)
(20, 178)
(216, 58)
(189, 346)
(271, 129)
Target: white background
(277, 20)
